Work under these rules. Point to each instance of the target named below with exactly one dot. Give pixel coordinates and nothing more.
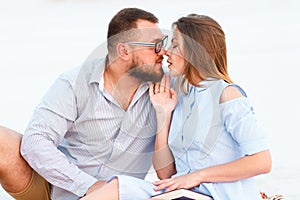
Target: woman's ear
(122, 51)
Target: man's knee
(9, 146)
(9, 134)
(115, 182)
(15, 173)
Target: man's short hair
(122, 22)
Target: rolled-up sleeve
(50, 121)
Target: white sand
(41, 39)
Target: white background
(41, 39)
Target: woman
(211, 142)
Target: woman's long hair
(204, 49)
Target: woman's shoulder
(230, 92)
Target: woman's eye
(174, 46)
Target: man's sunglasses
(157, 45)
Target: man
(94, 122)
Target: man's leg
(15, 173)
(109, 191)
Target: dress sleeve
(240, 122)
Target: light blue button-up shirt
(79, 134)
(205, 133)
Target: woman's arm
(163, 160)
(246, 167)
(164, 100)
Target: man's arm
(50, 122)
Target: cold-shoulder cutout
(230, 92)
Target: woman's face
(175, 54)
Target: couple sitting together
(101, 126)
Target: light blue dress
(205, 133)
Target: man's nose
(163, 51)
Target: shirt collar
(97, 72)
(208, 82)
(202, 85)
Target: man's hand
(96, 185)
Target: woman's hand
(163, 98)
(242, 168)
(186, 181)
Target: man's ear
(122, 51)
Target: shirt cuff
(82, 183)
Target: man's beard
(145, 72)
